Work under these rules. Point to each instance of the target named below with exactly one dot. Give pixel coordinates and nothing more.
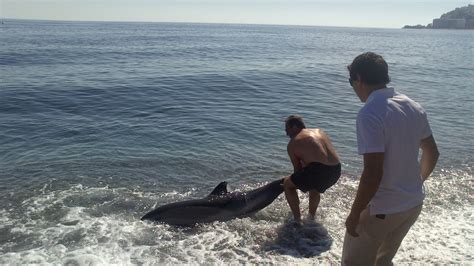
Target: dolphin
(220, 205)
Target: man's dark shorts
(316, 176)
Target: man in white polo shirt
(391, 128)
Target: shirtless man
(315, 162)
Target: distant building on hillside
(470, 24)
(440, 23)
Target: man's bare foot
(310, 219)
(297, 223)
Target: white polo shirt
(394, 124)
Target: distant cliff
(459, 18)
(466, 12)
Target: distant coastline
(460, 18)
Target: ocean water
(101, 122)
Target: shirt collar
(385, 92)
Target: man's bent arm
(369, 181)
(429, 156)
(368, 186)
(294, 159)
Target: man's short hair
(371, 68)
(295, 121)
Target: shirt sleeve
(370, 134)
(426, 129)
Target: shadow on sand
(308, 240)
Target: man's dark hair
(371, 68)
(295, 121)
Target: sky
(344, 13)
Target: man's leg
(292, 197)
(361, 250)
(314, 198)
(393, 240)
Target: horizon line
(188, 22)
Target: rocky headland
(459, 18)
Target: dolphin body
(220, 205)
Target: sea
(100, 122)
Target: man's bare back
(312, 145)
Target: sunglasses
(351, 81)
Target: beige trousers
(379, 239)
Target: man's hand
(351, 224)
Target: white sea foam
(85, 234)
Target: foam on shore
(99, 225)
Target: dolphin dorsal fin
(220, 189)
